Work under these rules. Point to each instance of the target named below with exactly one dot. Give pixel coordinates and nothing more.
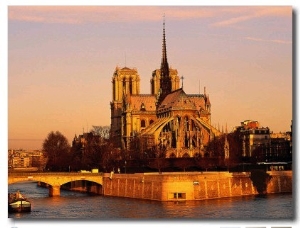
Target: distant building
(280, 147)
(262, 145)
(167, 118)
(83, 142)
(26, 159)
(85, 139)
(252, 136)
(279, 150)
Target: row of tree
(95, 150)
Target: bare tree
(102, 131)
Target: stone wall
(191, 185)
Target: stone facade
(168, 118)
(191, 186)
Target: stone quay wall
(192, 185)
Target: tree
(102, 131)
(57, 150)
(92, 152)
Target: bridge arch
(55, 180)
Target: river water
(95, 207)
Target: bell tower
(125, 81)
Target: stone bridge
(54, 179)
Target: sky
(61, 60)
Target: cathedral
(167, 118)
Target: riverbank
(196, 185)
(182, 186)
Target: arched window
(172, 155)
(143, 123)
(143, 107)
(186, 155)
(151, 121)
(186, 124)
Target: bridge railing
(53, 173)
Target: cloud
(98, 14)
(232, 21)
(220, 16)
(264, 40)
(86, 14)
(241, 14)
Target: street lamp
(125, 166)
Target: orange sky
(61, 61)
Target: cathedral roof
(198, 100)
(178, 99)
(136, 102)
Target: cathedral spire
(164, 61)
(165, 81)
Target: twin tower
(164, 80)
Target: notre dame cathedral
(168, 117)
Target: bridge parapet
(54, 180)
(52, 173)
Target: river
(95, 207)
